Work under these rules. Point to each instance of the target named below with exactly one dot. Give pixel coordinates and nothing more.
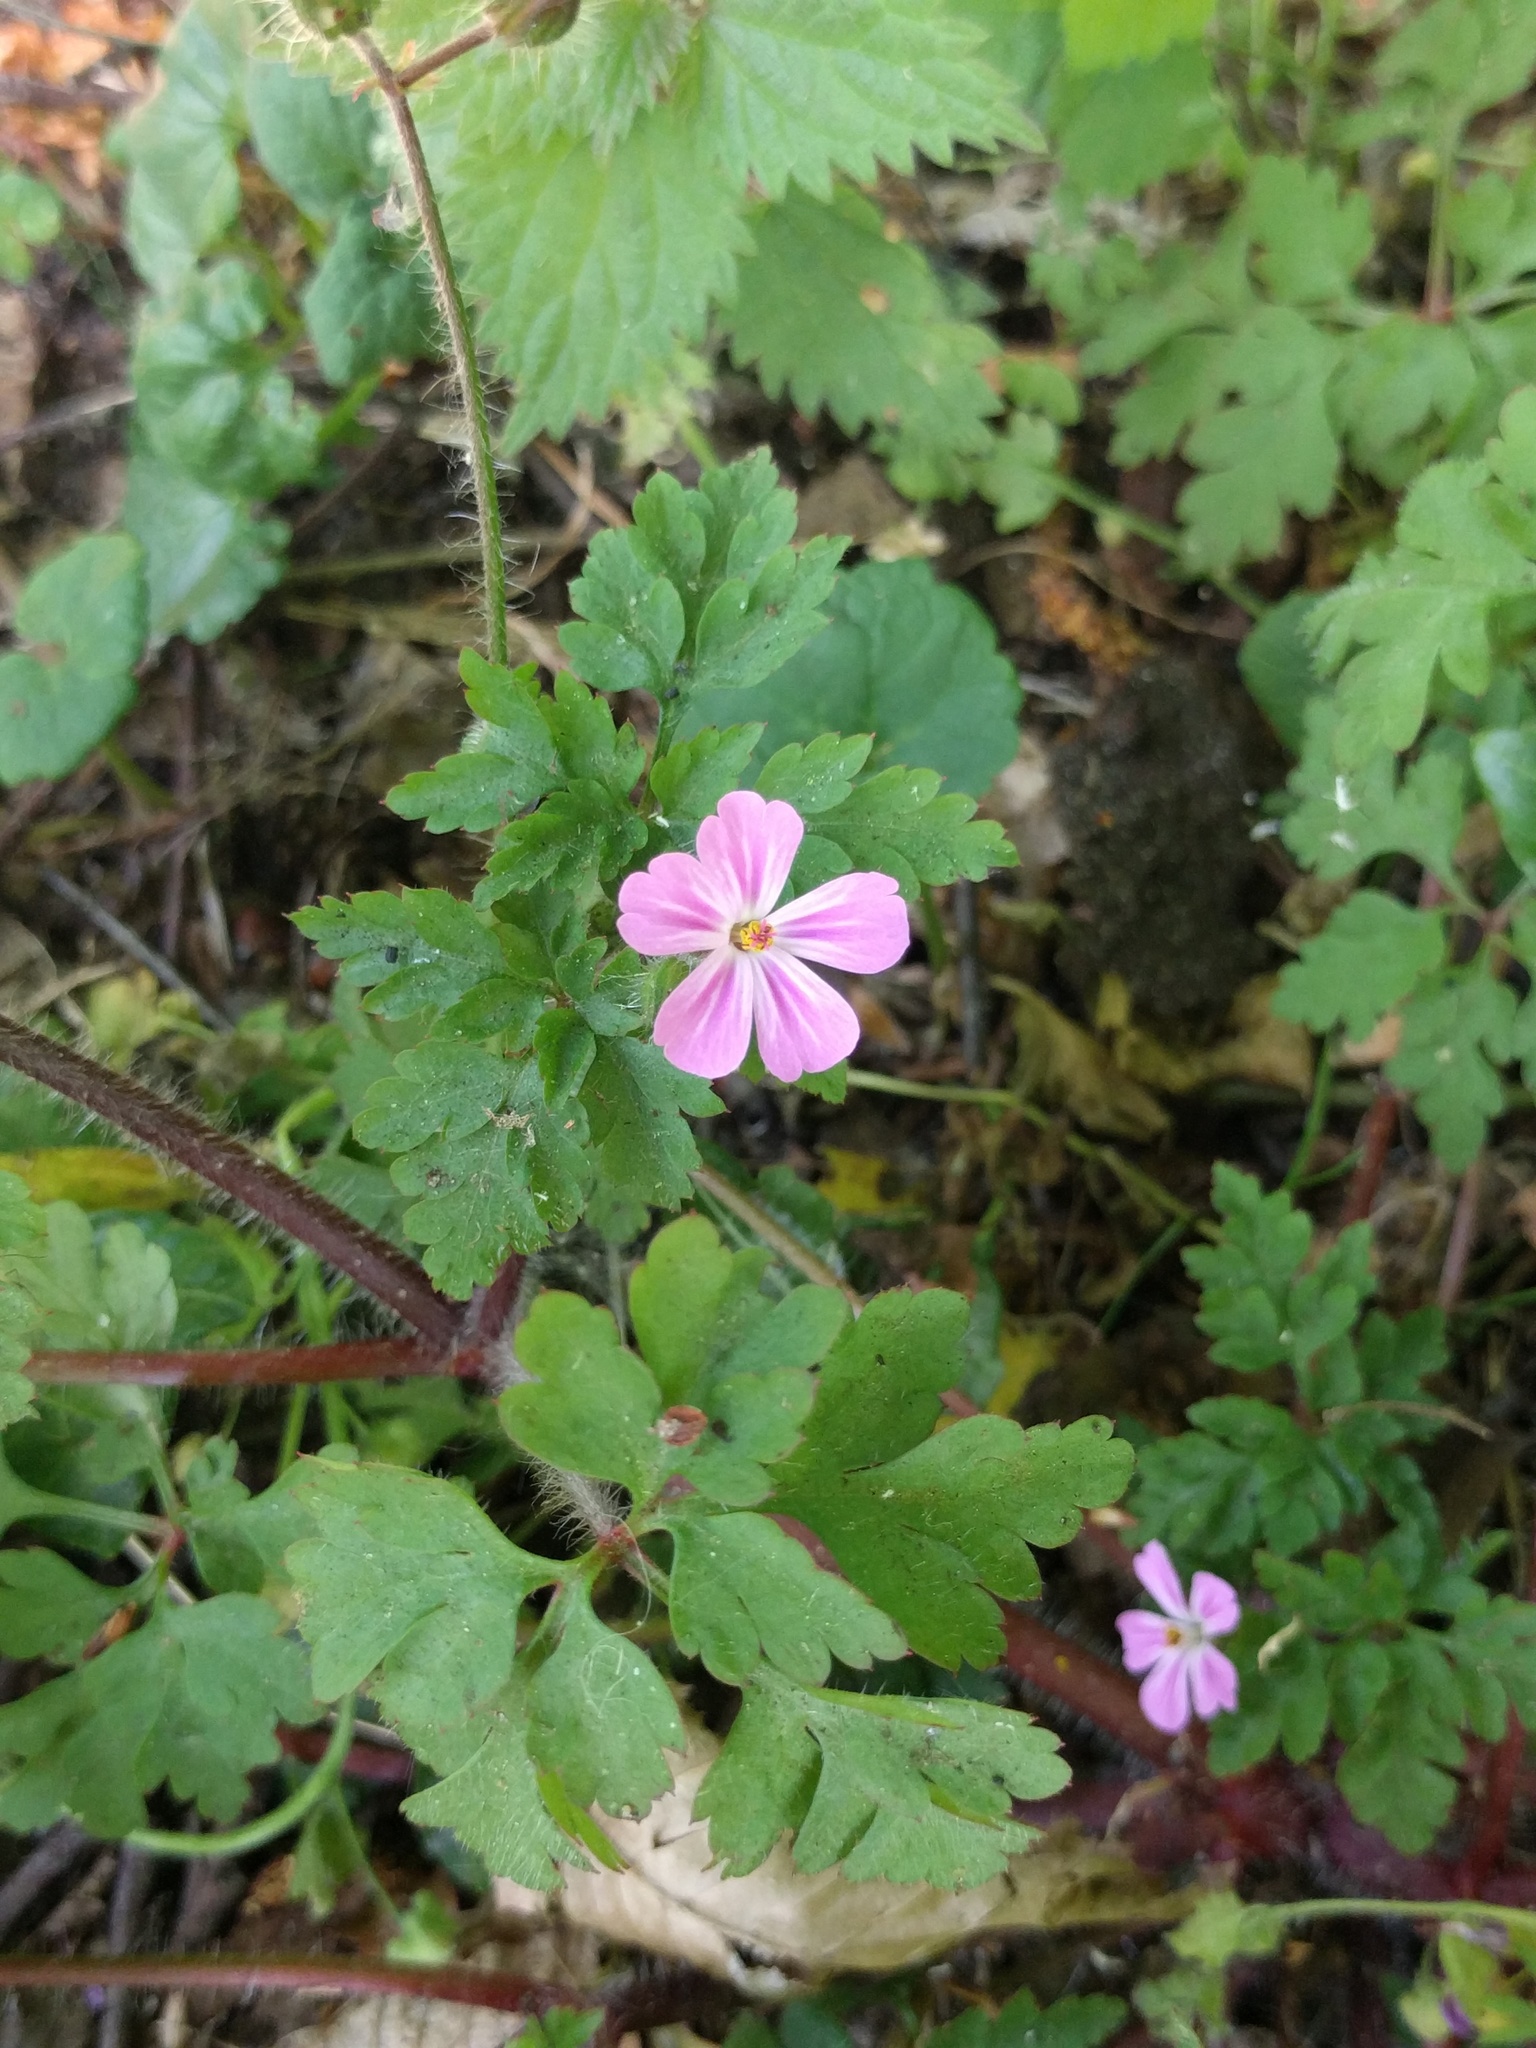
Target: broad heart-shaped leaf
(588, 269)
(798, 89)
(743, 1591)
(180, 144)
(410, 1590)
(914, 1791)
(1100, 35)
(491, 1799)
(1506, 766)
(636, 1102)
(422, 949)
(910, 659)
(600, 1713)
(369, 301)
(190, 1700)
(842, 317)
(928, 1535)
(1458, 1029)
(704, 590)
(899, 824)
(210, 402)
(507, 760)
(1371, 954)
(84, 617)
(322, 147)
(587, 1405)
(493, 1168)
(207, 557)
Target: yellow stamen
(752, 937)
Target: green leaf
(1101, 33)
(690, 1300)
(689, 780)
(1119, 130)
(1308, 238)
(898, 824)
(817, 776)
(207, 557)
(1019, 474)
(1505, 761)
(1343, 820)
(588, 1405)
(880, 1386)
(190, 1700)
(636, 1102)
(1021, 2023)
(1456, 1032)
(929, 1534)
(210, 402)
(83, 618)
(1246, 1472)
(799, 91)
(914, 1791)
(507, 760)
(912, 660)
(588, 269)
(1400, 390)
(183, 188)
(493, 1168)
(1276, 661)
(30, 217)
(322, 147)
(409, 1589)
(85, 1295)
(612, 63)
(600, 1714)
(422, 949)
(841, 316)
(742, 1591)
(576, 837)
(369, 301)
(1371, 954)
(48, 1608)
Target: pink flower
(1184, 1673)
(721, 903)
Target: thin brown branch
(350, 1976)
(294, 1365)
(377, 1267)
(434, 60)
(1463, 1236)
(1063, 1670)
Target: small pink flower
(1184, 1673)
(721, 903)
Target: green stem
(1163, 1243)
(482, 459)
(1316, 1117)
(697, 442)
(1168, 538)
(293, 1429)
(1518, 1919)
(257, 1833)
(346, 409)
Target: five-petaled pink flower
(721, 903)
(1184, 1672)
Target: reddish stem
(1463, 1235)
(1063, 1669)
(1378, 1127)
(1485, 1851)
(352, 1976)
(385, 1273)
(293, 1365)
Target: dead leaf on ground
(551, 1954)
(1261, 1048)
(1020, 801)
(1063, 1066)
(777, 1928)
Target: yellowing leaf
(853, 1185)
(1062, 1066)
(98, 1177)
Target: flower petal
(705, 1026)
(747, 850)
(1165, 1692)
(1214, 1604)
(857, 922)
(803, 1025)
(1213, 1681)
(1143, 1639)
(1155, 1569)
(673, 908)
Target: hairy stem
(445, 53)
(257, 1833)
(466, 365)
(388, 1275)
(294, 1365)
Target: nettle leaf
(910, 659)
(410, 1590)
(369, 301)
(1371, 954)
(1458, 1030)
(587, 1404)
(588, 268)
(899, 824)
(914, 1791)
(507, 760)
(610, 64)
(82, 619)
(600, 1714)
(704, 590)
(839, 315)
(180, 143)
(422, 949)
(207, 557)
(190, 1700)
(743, 1591)
(1344, 819)
(210, 402)
(323, 147)
(799, 91)
(493, 1168)
(635, 1102)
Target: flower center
(755, 936)
(1184, 1635)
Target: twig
(343, 1976)
(1458, 1247)
(589, 496)
(136, 948)
(293, 1365)
(377, 1267)
(1063, 1670)
(36, 92)
(1432, 1411)
(481, 458)
(69, 412)
(773, 1234)
(128, 1890)
(51, 1858)
(1378, 1127)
